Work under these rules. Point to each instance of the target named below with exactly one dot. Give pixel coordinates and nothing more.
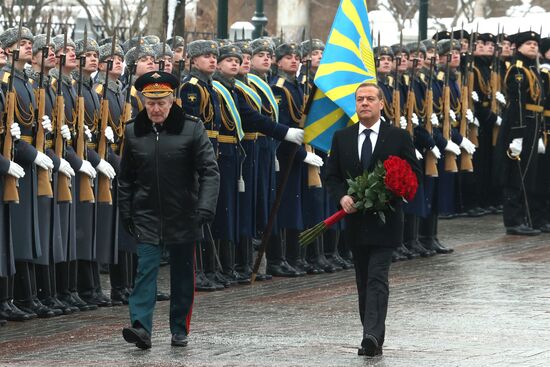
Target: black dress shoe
(476, 212)
(94, 299)
(37, 308)
(163, 296)
(54, 303)
(10, 312)
(439, 248)
(179, 340)
(370, 346)
(138, 336)
(83, 306)
(239, 278)
(104, 299)
(405, 252)
(73, 302)
(522, 230)
(447, 216)
(417, 247)
(545, 228)
(203, 284)
(217, 278)
(56, 310)
(278, 270)
(397, 256)
(262, 277)
(119, 295)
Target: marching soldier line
(476, 108)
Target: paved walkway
(488, 304)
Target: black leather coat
(167, 177)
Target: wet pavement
(487, 304)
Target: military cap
(151, 39)
(383, 51)
(223, 42)
(202, 47)
(244, 46)
(522, 37)
(59, 40)
(428, 44)
(287, 49)
(156, 84)
(133, 42)
(262, 45)
(504, 37)
(398, 49)
(179, 41)
(315, 44)
(230, 51)
(442, 35)
(134, 54)
(277, 41)
(10, 36)
(486, 37)
(39, 43)
(544, 46)
(157, 48)
(445, 46)
(105, 51)
(461, 34)
(91, 46)
(414, 46)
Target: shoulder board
(519, 63)
(133, 91)
(192, 118)
(280, 82)
(545, 70)
(440, 75)
(422, 77)
(73, 82)
(508, 64)
(99, 89)
(193, 81)
(6, 77)
(31, 81)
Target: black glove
(203, 217)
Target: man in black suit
(355, 149)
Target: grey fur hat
(244, 46)
(58, 42)
(105, 51)
(314, 45)
(383, 50)
(151, 39)
(202, 47)
(91, 46)
(445, 46)
(429, 43)
(133, 55)
(414, 46)
(230, 51)
(284, 49)
(223, 42)
(10, 35)
(40, 42)
(157, 48)
(178, 42)
(262, 45)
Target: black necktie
(366, 149)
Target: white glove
(476, 122)
(436, 152)
(452, 147)
(414, 119)
(541, 149)
(516, 146)
(106, 169)
(87, 169)
(418, 154)
(313, 159)
(43, 161)
(452, 115)
(16, 170)
(109, 135)
(500, 97)
(475, 97)
(468, 146)
(295, 136)
(65, 168)
(15, 131)
(435, 120)
(470, 116)
(65, 132)
(403, 122)
(498, 121)
(47, 123)
(88, 133)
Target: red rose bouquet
(373, 192)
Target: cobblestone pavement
(487, 304)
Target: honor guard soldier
(199, 99)
(518, 142)
(65, 123)
(7, 265)
(290, 96)
(177, 44)
(143, 57)
(120, 272)
(24, 215)
(164, 53)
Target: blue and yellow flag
(347, 61)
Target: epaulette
(193, 81)
(99, 89)
(544, 70)
(31, 81)
(519, 63)
(192, 118)
(6, 78)
(507, 64)
(73, 82)
(389, 79)
(441, 75)
(406, 79)
(133, 91)
(422, 77)
(280, 82)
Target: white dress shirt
(375, 129)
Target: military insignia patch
(155, 76)
(192, 97)
(278, 99)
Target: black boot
(412, 244)
(293, 254)
(276, 262)
(426, 234)
(438, 247)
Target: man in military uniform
(143, 58)
(164, 53)
(518, 142)
(177, 43)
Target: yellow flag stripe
(320, 126)
(351, 12)
(333, 67)
(342, 91)
(339, 39)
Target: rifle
(466, 164)
(396, 95)
(431, 160)
(450, 158)
(44, 175)
(474, 130)
(104, 183)
(180, 67)
(127, 111)
(11, 191)
(411, 97)
(495, 85)
(63, 182)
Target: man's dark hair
(372, 85)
